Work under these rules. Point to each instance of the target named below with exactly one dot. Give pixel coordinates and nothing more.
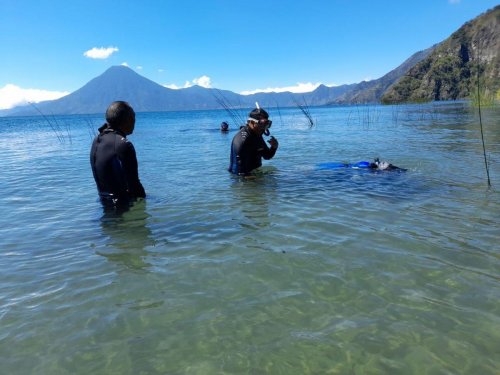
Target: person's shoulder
(242, 133)
(120, 138)
(123, 143)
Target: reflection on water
(129, 236)
(252, 198)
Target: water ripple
(297, 271)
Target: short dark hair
(118, 113)
(258, 114)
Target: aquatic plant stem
(54, 126)
(480, 116)
(235, 115)
(304, 108)
(482, 133)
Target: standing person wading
(248, 146)
(113, 158)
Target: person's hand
(273, 142)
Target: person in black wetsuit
(248, 147)
(113, 158)
(384, 166)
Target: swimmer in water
(384, 166)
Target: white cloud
(298, 88)
(160, 70)
(12, 95)
(172, 86)
(175, 87)
(124, 64)
(203, 81)
(100, 53)
(138, 67)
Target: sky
(50, 48)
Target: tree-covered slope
(450, 71)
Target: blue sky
(53, 47)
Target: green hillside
(450, 71)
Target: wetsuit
(247, 151)
(377, 165)
(114, 165)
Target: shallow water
(299, 271)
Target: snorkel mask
(261, 118)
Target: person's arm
(268, 152)
(130, 167)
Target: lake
(297, 271)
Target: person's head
(120, 115)
(224, 126)
(258, 121)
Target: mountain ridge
(144, 95)
(423, 76)
(450, 71)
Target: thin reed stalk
(482, 133)
(54, 126)
(90, 128)
(304, 108)
(279, 113)
(480, 115)
(235, 115)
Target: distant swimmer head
(260, 118)
(224, 126)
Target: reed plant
(477, 102)
(304, 108)
(234, 112)
(61, 131)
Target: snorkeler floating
(376, 165)
(384, 166)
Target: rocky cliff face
(450, 71)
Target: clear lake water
(297, 271)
